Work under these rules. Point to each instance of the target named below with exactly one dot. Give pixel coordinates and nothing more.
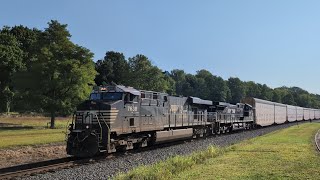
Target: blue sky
(272, 42)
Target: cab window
(95, 96)
(131, 98)
(112, 96)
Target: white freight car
(263, 111)
(299, 113)
(280, 111)
(292, 113)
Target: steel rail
(37, 167)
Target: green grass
(23, 131)
(35, 122)
(15, 138)
(285, 154)
(168, 168)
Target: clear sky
(276, 42)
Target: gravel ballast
(109, 168)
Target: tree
(288, 99)
(171, 83)
(204, 84)
(276, 96)
(266, 92)
(237, 89)
(210, 87)
(143, 75)
(60, 77)
(252, 89)
(113, 68)
(179, 77)
(10, 62)
(28, 42)
(304, 100)
(220, 90)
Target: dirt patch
(28, 154)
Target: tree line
(140, 73)
(43, 71)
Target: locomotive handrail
(68, 125)
(100, 138)
(109, 130)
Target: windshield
(112, 96)
(95, 96)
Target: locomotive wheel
(223, 130)
(137, 145)
(218, 132)
(121, 148)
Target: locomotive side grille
(108, 116)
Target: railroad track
(46, 166)
(35, 168)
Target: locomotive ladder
(101, 131)
(109, 130)
(99, 134)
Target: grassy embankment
(19, 131)
(285, 154)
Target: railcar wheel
(137, 145)
(218, 132)
(121, 148)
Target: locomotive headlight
(87, 127)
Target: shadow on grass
(10, 126)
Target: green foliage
(172, 166)
(113, 68)
(144, 75)
(211, 87)
(137, 72)
(276, 96)
(179, 77)
(60, 77)
(252, 89)
(203, 85)
(10, 62)
(266, 92)
(63, 71)
(237, 89)
(288, 99)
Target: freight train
(119, 118)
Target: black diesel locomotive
(122, 118)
